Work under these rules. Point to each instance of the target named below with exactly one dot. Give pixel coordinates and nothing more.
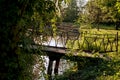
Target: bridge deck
(55, 49)
(65, 51)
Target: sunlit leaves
(67, 1)
(118, 5)
(105, 11)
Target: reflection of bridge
(57, 45)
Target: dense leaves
(71, 12)
(101, 11)
(20, 20)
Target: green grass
(101, 26)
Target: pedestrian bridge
(76, 40)
(62, 42)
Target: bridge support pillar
(50, 66)
(56, 66)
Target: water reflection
(63, 66)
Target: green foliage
(20, 23)
(101, 11)
(71, 12)
(95, 69)
(118, 6)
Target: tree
(117, 5)
(102, 11)
(94, 12)
(113, 11)
(17, 16)
(71, 12)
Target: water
(55, 42)
(64, 64)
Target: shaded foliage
(101, 12)
(71, 12)
(91, 69)
(19, 22)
